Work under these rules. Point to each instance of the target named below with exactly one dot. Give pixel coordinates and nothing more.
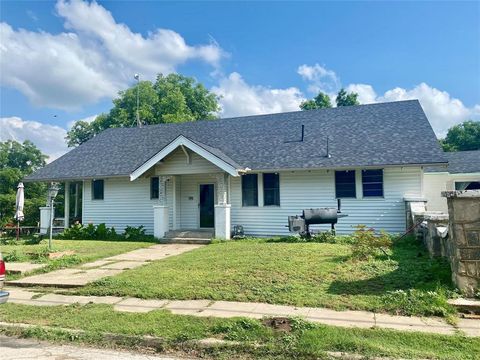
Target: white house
(462, 173)
(254, 171)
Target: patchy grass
(85, 251)
(301, 274)
(255, 340)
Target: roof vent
(328, 150)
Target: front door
(207, 209)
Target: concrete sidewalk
(229, 309)
(86, 273)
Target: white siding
(435, 183)
(124, 203)
(311, 189)
(176, 163)
(128, 203)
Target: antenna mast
(137, 77)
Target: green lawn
(255, 340)
(85, 251)
(302, 274)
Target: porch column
(160, 211)
(77, 189)
(67, 205)
(222, 208)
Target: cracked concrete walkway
(228, 309)
(76, 277)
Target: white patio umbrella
(19, 207)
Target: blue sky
(72, 57)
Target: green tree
(462, 137)
(321, 101)
(18, 160)
(170, 99)
(347, 99)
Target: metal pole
(139, 124)
(51, 225)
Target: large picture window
(250, 190)
(271, 189)
(97, 189)
(345, 184)
(154, 189)
(372, 183)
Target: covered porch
(190, 205)
(193, 182)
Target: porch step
(188, 237)
(185, 241)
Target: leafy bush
(365, 243)
(134, 233)
(90, 232)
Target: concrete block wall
(463, 245)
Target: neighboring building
(255, 171)
(462, 173)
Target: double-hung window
(372, 183)
(250, 190)
(345, 184)
(271, 189)
(97, 189)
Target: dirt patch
(59, 254)
(279, 323)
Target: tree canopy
(322, 100)
(462, 137)
(18, 160)
(346, 99)
(170, 99)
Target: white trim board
(183, 141)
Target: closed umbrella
(19, 207)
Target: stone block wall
(463, 245)
(436, 244)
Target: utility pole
(137, 77)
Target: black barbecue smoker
(301, 223)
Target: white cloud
(49, 139)
(366, 94)
(239, 98)
(320, 78)
(96, 58)
(442, 110)
(88, 119)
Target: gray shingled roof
(395, 133)
(460, 162)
